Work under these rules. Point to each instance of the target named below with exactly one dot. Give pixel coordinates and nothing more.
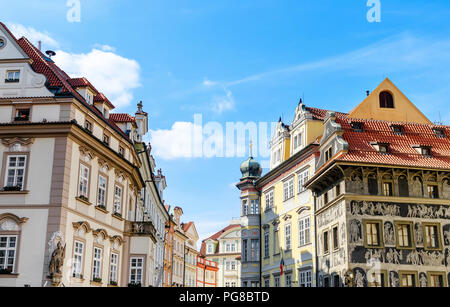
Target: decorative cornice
(101, 232)
(78, 225)
(13, 217)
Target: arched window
(386, 100)
(10, 230)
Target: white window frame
(7, 250)
(288, 236)
(78, 255)
(118, 199)
(83, 189)
(305, 279)
(136, 270)
(304, 228)
(288, 188)
(15, 75)
(16, 168)
(254, 206)
(97, 263)
(303, 178)
(266, 244)
(102, 187)
(114, 268)
(269, 200)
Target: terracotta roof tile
(122, 118)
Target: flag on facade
(282, 266)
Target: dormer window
(425, 151)
(440, 133)
(22, 115)
(89, 98)
(386, 100)
(398, 130)
(382, 148)
(328, 154)
(12, 76)
(357, 127)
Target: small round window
(2, 42)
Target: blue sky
(240, 61)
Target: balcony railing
(141, 229)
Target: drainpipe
(316, 239)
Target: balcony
(141, 229)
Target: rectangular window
(373, 234)
(97, 264)
(22, 115)
(304, 231)
(326, 246)
(287, 233)
(335, 238)
(338, 190)
(336, 281)
(433, 191)
(254, 208)
(303, 178)
(8, 253)
(114, 268)
(269, 200)
(254, 252)
(378, 280)
(244, 250)
(387, 189)
(408, 280)
(101, 202)
(233, 265)
(276, 242)
(404, 235)
(288, 280)
(88, 126)
(78, 259)
(436, 280)
(432, 236)
(117, 200)
(277, 282)
(121, 151)
(136, 269)
(289, 189)
(106, 139)
(325, 198)
(84, 181)
(305, 279)
(328, 154)
(15, 172)
(12, 76)
(266, 244)
(267, 282)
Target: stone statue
(349, 279)
(57, 260)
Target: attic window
(89, 98)
(88, 126)
(2, 43)
(12, 76)
(121, 151)
(106, 139)
(425, 151)
(440, 133)
(398, 130)
(22, 115)
(386, 100)
(328, 154)
(382, 148)
(357, 127)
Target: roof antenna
(50, 53)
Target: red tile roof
(321, 114)
(122, 118)
(187, 226)
(215, 237)
(401, 151)
(58, 80)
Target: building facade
(224, 248)
(71, 207)
(191, 254)
(382, 194)
(206, 273)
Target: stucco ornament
(9, 225)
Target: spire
(140, 106)
(251, 149)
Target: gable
(403, 111)
(10, 50)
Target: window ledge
(118, 217)
(98, 284)
(12, 275)
(14, 192)
(101, 209)
(86, 202)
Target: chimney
(368, 93)
(40, 45)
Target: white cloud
(178, 142)
(110, 73)
(208, 82)
(33, 35)
(222, 103)
(106, 48)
